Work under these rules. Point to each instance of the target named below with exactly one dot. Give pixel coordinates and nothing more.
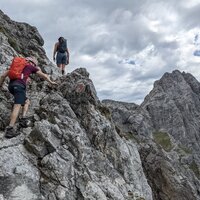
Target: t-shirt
(29, 69)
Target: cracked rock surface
(79, 148)
(71, 150)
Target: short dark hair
(60, 39)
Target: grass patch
(127, 135)
(163, 139)
(185, 149)
(105, 111)
(11, 40)
(2, 30)
(194, 167)
(13, 44)
(131, 136)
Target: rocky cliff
(78, 148)
(166, 129)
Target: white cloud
(125, 45)
(190, 4)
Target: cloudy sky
(124, 44)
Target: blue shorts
(61, 58)
(19, 93)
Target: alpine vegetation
(72, 146)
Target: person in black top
(62, 54)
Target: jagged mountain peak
(71, 150)
(169, 79)
(177, 79)
(23, 38)
(174, 85)
(166, 127)
(78, 148)
(174, 107)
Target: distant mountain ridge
(168, 122)
(79, 148)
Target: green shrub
(185, 149)
(2, 30)
(194, 167)
(163, 139)
(105, 111)
(13, 44)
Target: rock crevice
(79, 148)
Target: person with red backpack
(19, 72)
(62, 54)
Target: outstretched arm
(67, 51)
(3, 77)
(54, 51)
(46, 77)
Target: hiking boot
(63, 72)
(10, 132)
(24, 122)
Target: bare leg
(10, 132)
(59, 66)
(63, 68)
(14, 114)
(25, 107)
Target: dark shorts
(61, 58)
(19, 93)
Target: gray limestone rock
(166, 129)
(78, 148)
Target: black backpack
(62, 46)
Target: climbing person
(19, 72)
(62, 54)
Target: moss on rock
(163, 139)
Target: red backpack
(16, 68)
